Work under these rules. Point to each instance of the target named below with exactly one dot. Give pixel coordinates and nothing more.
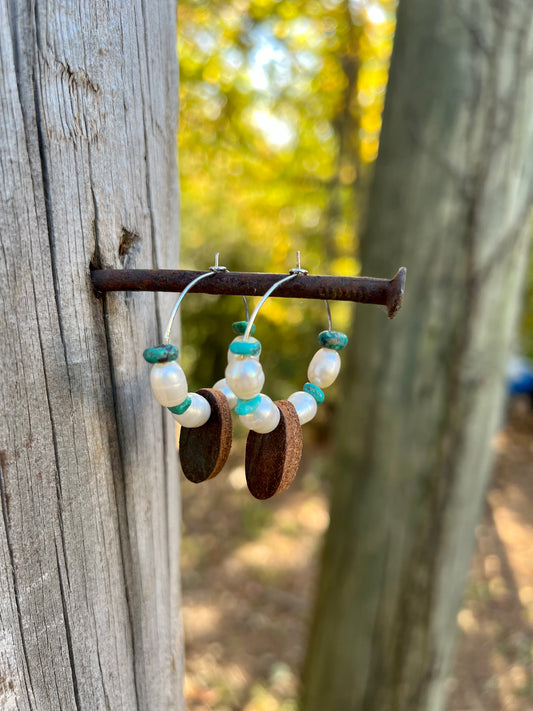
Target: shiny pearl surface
(245, 378)
(230, 395)
(232, 357)
(324, 367)
(197, 414)
(169, 383)
(264, 418)
(305, 406)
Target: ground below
(249, 569)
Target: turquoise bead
(335, 340)
(245, 348)
(239, 327)
(161, 354)
(182, 407)
(245, 407)
(315, 391)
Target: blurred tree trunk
(347, 125)
(89, 579)
(451, 201)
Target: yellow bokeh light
(371, 121)
(369, 150)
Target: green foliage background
(280, 115)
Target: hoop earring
(244, 373)
(274, 444)
(272, 459)
(204, 416)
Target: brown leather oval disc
(272, 459)
(204, 450)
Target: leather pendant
(272, 459)
(204, 450)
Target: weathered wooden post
(89, 539)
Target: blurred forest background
(280, 118)
(279, 125)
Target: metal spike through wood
(364, 290)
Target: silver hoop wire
(330, 324)
(215, 269)
(246, 309)
(297, 271)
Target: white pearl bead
(324, 367)
(234, 356)
(197, 414)
(230, 395)
(245, 378)
(169, 383)
(264, 418)
(305, 406)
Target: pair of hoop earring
(274, 444)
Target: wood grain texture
(272, 459)
(89, 535)
(204, 450)
(422, 396)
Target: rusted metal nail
(396, 292)
(364, 290)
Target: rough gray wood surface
(89, 533)
(422, 395)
